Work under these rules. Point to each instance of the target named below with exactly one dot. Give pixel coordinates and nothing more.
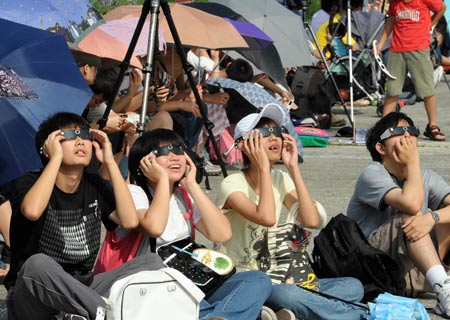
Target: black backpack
(312, 93)
(341, 250)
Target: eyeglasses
(73, 134)
(399, 131)
(164, 151)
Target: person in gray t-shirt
(403, 209)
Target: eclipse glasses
(164, 151)
(399, 131)
(73, 134)
(265, 132)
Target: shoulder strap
(189, 215)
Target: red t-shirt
(412, 23)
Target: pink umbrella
(100, 43)
(123, 31)
(195, 28)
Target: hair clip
(41, 150)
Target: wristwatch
(435, 216)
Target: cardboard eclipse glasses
(164, 151)
(265, 132)
(73, 134)
(399, 131)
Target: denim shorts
(420, 67)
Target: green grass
(104, 6)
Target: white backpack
(157, 294)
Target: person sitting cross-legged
(404, 209)
(55, 232)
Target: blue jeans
(307, 305)
(241, 297)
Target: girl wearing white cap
(253, 199)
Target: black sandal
(433, 132)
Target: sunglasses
(164, 151)
(73, 134)
(399, 131)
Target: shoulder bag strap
(189, 215)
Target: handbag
(284, 257)
(115, 251)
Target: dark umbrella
(38, 77)
(255, 37)
(266, 59)
(282, 25)
(71, 18)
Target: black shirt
(69, 229)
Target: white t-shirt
(177, 227)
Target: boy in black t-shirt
(56, 225)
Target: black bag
(199, 273)
(313, 95)
(341, 250)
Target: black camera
(298, 4)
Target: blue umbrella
(71, 18)
(38, 77)
(246, 98)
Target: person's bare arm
(122, 104)
(154, 220)
(307, 213)
(408, 199)
(125, 214)
(438, 15)
(263, 212)
(388, 27)
(213, 224)
(38, 197)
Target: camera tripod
(152, 7)
(330, 75)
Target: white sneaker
(211, 169)
(267, 314)
(442, 289)
(285, 314)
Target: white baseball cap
(245, 125)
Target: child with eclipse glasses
(404, 210)
(56, 225)
(252, 200)
(164, 176)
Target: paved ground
(331, 172)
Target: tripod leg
(126, 61)
(187, 69)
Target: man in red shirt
(411, 22)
